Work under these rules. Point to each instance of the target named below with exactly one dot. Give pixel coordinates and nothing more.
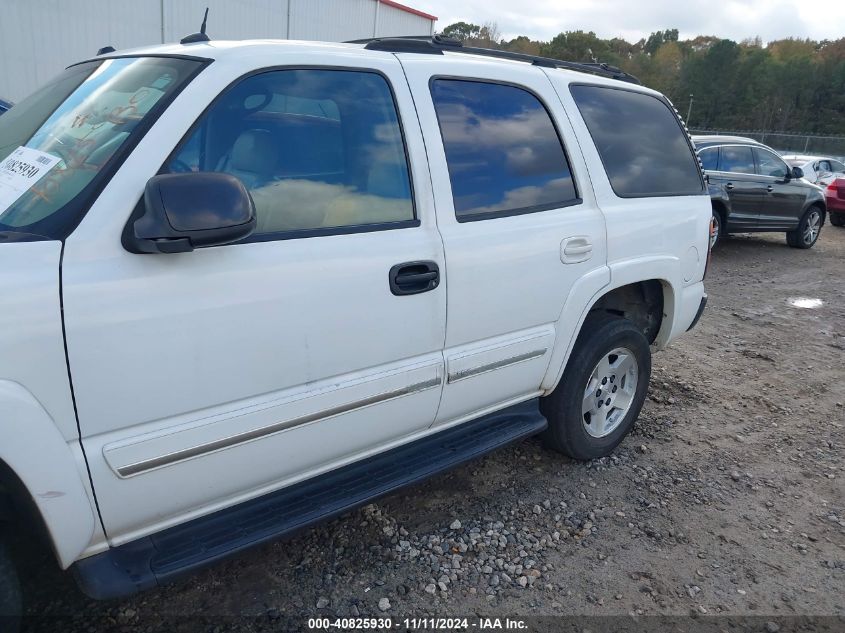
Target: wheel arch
(42, 475)
(820, 204)
(651, 300)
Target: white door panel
(248, 319)
(293, 435)
(206, 378)
(508, 276)
(495, 370)
(229, 427)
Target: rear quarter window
(642, 145)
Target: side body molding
(31, 445)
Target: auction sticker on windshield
(20, 170)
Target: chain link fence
(790, 143)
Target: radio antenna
(198, 37)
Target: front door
(205, 378)
(519, 224)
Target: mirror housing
(797, 172)
(185, 211)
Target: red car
(835, 199)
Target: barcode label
(20, 170)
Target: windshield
(58, 142)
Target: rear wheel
(10, 594)
(808, 230)
(837, 219)
(602, 390)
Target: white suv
(251, 285)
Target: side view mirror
(191, 210)
(797, 172)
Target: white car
(819, 170)
(251, 285)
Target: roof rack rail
(435, 45)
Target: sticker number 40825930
(20, 170)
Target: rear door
(783, 197)
(205, 378)
(519, 223)
(737, 175)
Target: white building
(38, 38)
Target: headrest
(254, 151)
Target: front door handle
(729, 186)
(411, 278)
(770, 189)
(576, 249)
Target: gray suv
(752, 189)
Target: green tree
(792, 84)
(580, 46)
(461, 31)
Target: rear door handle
(411, 278)
(576, 249)
(729, 186)
(770, 189)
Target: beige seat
(254, 158)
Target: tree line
(789, 85)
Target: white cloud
(733, 19)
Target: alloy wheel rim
(609, 393)
(716, 230)
(811, 231)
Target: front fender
(34, 449)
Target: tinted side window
(709, 158)
(769, 165)
(317, 149)
(502, 150)
(736, 159)
(641, 143)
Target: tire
(10, 595)
(719, 225)
(588, 435)
(805, 236)
(837, 219)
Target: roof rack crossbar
(437, 44)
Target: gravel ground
(727, 499)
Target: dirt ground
(728, 498)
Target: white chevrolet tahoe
(249, 286)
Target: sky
(635, 19)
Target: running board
(167, 555)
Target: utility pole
(689, 110)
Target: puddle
(805, 302)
